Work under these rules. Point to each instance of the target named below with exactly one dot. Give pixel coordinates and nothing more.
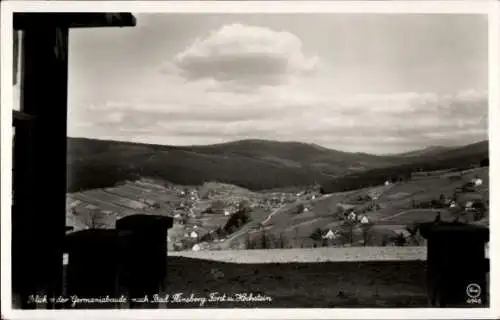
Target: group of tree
(438, 203)
(236, 221)
(266, 240)
(98, 219)
(346, 234)
(411, 238)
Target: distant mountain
(253, 164)
(432, 150)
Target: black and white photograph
(182, 157)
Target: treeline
(105, 170)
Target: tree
(400, 240)
(485, 162)
(479, 210)
(236, 221)
(366, 232)
(442, 198)
(317, 234)
(324, 242)
(264, 240)
(348, 228)
(339, 213)
(300, 208)
(385, 240)
(248, 242)
(281, 241)
(244, 205)
(413, 231)
(98, 219)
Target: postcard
(257, 160)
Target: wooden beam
(22, 117)
(24, 21)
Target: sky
(375, 83)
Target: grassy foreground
(299, 285)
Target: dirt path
(272, 214)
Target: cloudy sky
(375, 83)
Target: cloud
(370, 123)
(244, 55)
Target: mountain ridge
(252, 163)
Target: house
(227, 213)
(364, 220)
(477, 182)
(352, 216)
(331, 235)
(196, 247)
(468, 205)
(387, 183)
(193, 234)
(373, 196)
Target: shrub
(485, 162)
(316, 234)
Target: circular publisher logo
(473, 290)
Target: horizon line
(285, 141)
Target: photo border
(489, 8)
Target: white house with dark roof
(364, 220)
(331, 235)
(352, 216)
(477, 182)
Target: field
(300, 285)
(358, 254)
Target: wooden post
(144, 252)
(456, 264)
(39, 176)
(38, 216)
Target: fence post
(456, 264)
(143, 241)
(92, 266)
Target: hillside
(395, 207)
(460, 158)
(253, 164)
